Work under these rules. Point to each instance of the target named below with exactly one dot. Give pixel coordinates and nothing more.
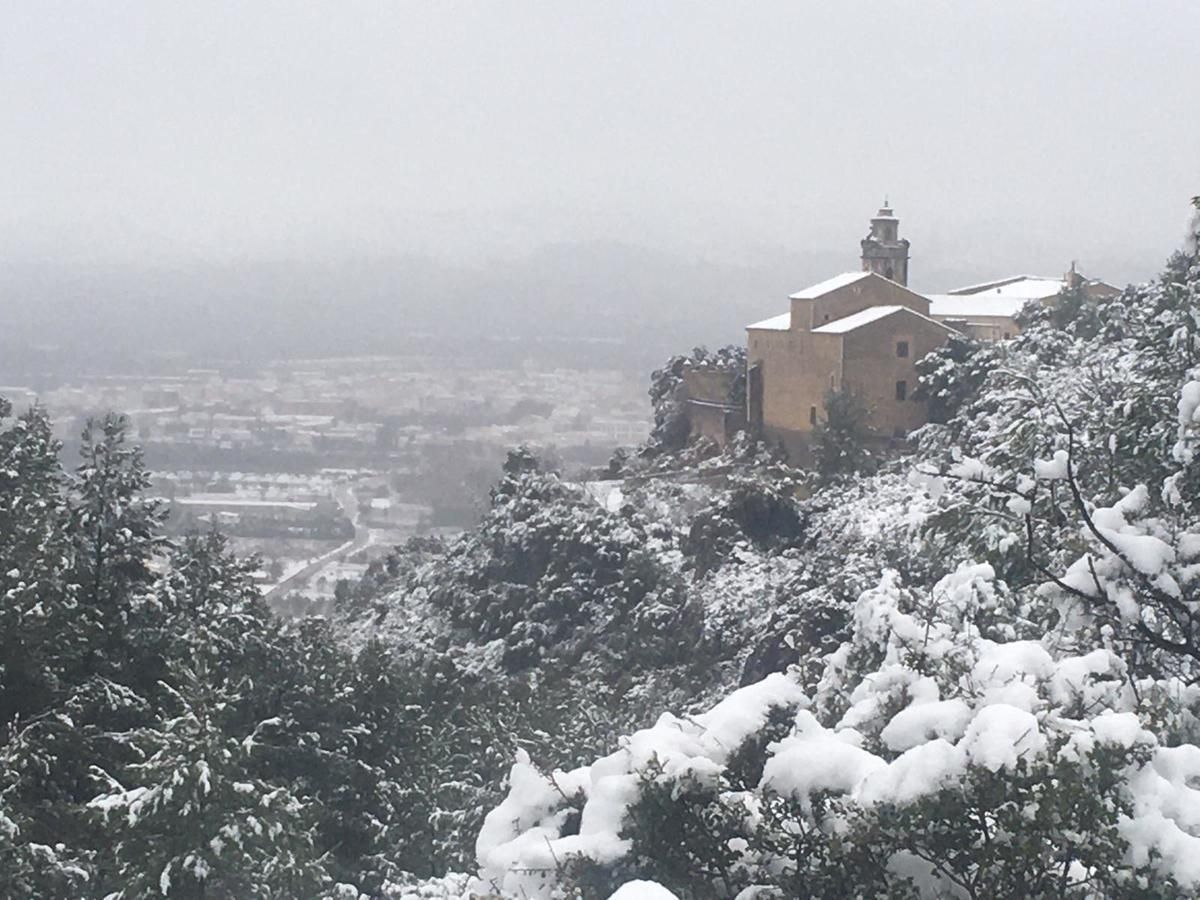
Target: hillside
(970, 673)
(966, 671)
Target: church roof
(858, 319)
(1025, 287)
(1001, 298)
(963, 306)
(867, 316)
(781, 322)
(829, 285)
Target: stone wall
(718, 423)
(873, 369)
(710, 384)
(798, 368)
(710, 412)
(983, 328)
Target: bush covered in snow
(941, 755)
(549, 572)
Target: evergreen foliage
(164, 734)
(951, 375)
(970, 672)
(842, 439)
(551, 574)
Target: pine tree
(39, 633)
(200, 811)
(115, 531)
(192, 820)
(37, 859)
(207, 601)
(45, 737)
(841, 441)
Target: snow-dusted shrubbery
(163, 734)
(549, 572)
(1003, 700)
(943, 754)
(974, 673)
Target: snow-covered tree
(116, 532)
(190, 817)
(40, 637)
(842, 440)
(942, 755)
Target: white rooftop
(858, 320)
(957, 306)
(869, 315)
(830, 284)
(1029, 287)
(775, 323)
(1002, 298)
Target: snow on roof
(1001, 298)
(1027, 287)
(869, 315)
(830, 284)
(859, 319)
(985, 285)
(775, 323)
(233, 502)
(965, 306)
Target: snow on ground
(609, 495)
(642, 890)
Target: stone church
(861, 331)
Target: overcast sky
(169, 131)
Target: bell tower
(883, 251)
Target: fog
(321, 171)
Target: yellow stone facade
(857, 331)
(864, 332)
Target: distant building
(863, 332)
(988, 311)
(858, 332)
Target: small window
(826, 317)
(812, 415)
(1007, 335)
(901, 390)
(902, 349)
(899, 434)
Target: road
(344, 494)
